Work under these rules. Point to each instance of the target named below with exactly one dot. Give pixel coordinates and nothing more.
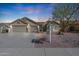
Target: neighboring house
(4, 27)
(23, 25)
(54, 25)
(44, 26)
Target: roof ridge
(24, 18)
(29, 19)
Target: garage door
(19, 28)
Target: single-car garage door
(19, 28)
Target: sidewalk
(39, 51)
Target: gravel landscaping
(68, 40)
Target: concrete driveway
(16, 40)
(19, 44)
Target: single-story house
(54, 26)
(23, 25)
(27, 25)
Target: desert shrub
(36, 41)
(71, 28)
(74, 29)
(60, 33)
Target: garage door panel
(19, 28)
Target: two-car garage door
(19, 28)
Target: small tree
(66, 14)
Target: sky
(35, 11)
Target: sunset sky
(10, 12)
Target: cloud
(31, 10)
(28, 10)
